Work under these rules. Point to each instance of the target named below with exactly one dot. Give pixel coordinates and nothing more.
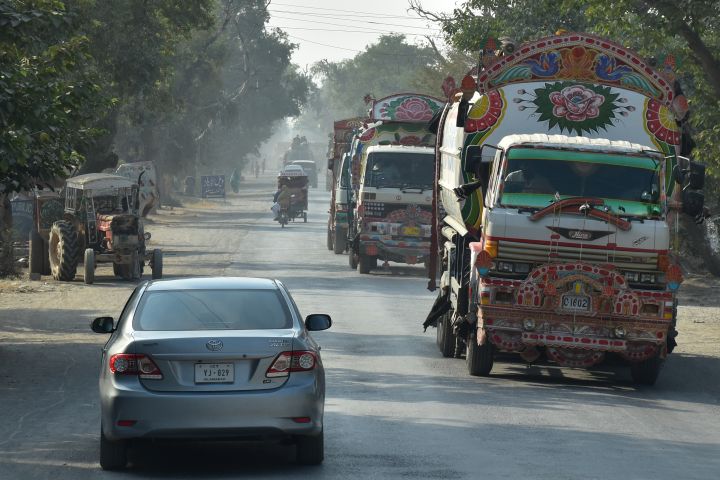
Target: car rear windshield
(174, 310)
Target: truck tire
(647, 371)
(366, 263)
(445, 335)
(89, 266)
(37, 252)
(329, 241)
(353, 259)
(340, 242)
(157, 264)
(479, 358)
(113, 454)
(63, 251)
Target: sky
(334, 30)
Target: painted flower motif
(485, 113)
(661, 122)
(410, 140)
(413, 109)
(367, 135)
(576, 103)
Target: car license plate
(214, 373)
(576, 303)
(412, 231)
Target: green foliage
(389, 66)
(47, 96)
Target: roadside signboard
(212, 186)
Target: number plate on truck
(575, 303)
(214, 373)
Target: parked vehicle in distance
(233, 351)
(310, 170)
(101, 223)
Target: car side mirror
(103, 325)
(318, 321)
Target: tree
(391, 65)
(47, 95)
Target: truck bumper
(410, 251)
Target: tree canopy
(91, 83)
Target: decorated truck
(343, 132)
(561, 172)
(391, 178)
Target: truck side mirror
(476, 155)
(331, 163)
(692, 202)
(696, 176)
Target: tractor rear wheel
(157, 264)
(37, 252)
(63, 250)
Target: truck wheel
(329, 242)
(353, 259)
(366, 263)
(647, 371)
(445, 335)
(89, 266)
(340, 242)
(113, 454)
(37, 252)
(304, 217)
(157, 264)
(63, 251)
(310, 449)
(479, 358)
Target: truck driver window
(398, 170)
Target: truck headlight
(505, 267)
(647, 278)
(619, 332)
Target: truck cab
(393, 205)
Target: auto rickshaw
(296, 180)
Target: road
(395, 408)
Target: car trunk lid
(213, 360)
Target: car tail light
(131, 364)
(287, 362)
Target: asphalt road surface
(395, 408)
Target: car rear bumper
(211, 415)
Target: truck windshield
(400, 170)
(534, 177)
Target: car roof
(304, 162)
(213, 283)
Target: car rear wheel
(113, 453)
(311, 449)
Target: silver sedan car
(211, 358)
